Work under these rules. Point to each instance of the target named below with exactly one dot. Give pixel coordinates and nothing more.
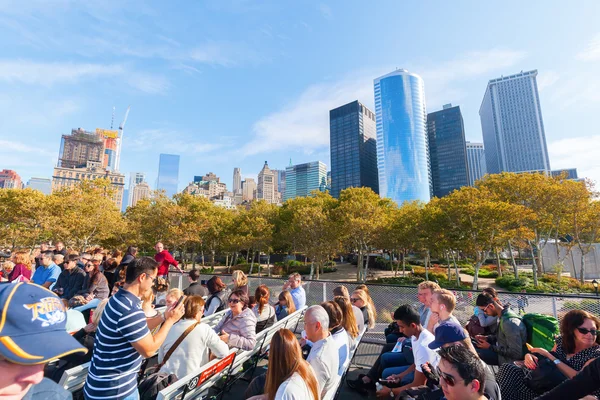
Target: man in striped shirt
(123, 337)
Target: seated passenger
(323, 356)
(264, 312)
(285, 306)
(193, 351)
(218, 296)
(338, 333)
(237, 328)
(348, 320)
(462, 374)
(358, 315)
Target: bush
(207, 270)
(299, 267)
(415, 280)
(483, 273)
(244, 267)
(590, 306)
(547, 283)
(383, 264)
(330, 263)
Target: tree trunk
(366, 272)
(359, 266)
(203, 258)
(212, 259)
(227, 262)
(251, 263)
(258, 264)
(533, 265)
(312, 270)
(449, 271)
(194, 260)
(403, 263)
(427, 265)
(582, 271)
(512, 260)
(499, 266)
(269, 264)
(476, 275)
(456, 270)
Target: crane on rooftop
(120, 145)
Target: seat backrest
(338, 379)
(214, 319)
(73, 379)
(199, 381)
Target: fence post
(324, 291)
(180, 282)
(554, 307)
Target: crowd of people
(106, 308)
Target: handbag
(545, 377)
(153, 381)
(474, 327)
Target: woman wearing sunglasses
(238, 326)
(577, 345)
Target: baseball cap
(33, 325)
(447, 332)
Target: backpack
(541, 330)
(474, 327)
(217, 296)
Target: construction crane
(120, 144)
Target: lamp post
(595, 283)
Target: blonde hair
(239, 278)
(175, 293)
(371, 312)
(289, 301)
(428, 285)
(22, 257)
(446, 298)
(147, 296)
(98, 312)
(8, 265)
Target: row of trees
(505, 211)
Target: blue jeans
(488, 356)
(92, 304)
(396, 370)
(390, 359)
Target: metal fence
(388, 297)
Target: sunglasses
(354, 300)
(234, 301)
(584, 331)
(449, 379)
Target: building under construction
(80, 147)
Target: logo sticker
(48, 311)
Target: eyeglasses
(585, 331)
(234, 301)
(354, 299)
(449, 379)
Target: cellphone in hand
(529, 347)
(178, 302)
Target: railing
(388, 297)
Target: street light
(595, 283)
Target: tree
(257, 227)
(25, 218)
(361, 216)
(585, 223)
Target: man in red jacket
(164, 259)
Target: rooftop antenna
(120, 142)
(112, 120)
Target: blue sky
(231, 84)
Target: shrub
(415, 280)
(591, 306)
(330, 263)
(483, 273)
(207, 270)
(244, 267)
(383, 264)
(547, 283)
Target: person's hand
(530, 361)
(401, 339)
(394, 378)
(89, 297)
(286, 285)
(302, 342)
(482, 342)
(89, 328)
(224, 336)
(543, 352)
(175, 314)
(384, 392)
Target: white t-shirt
(324, 360)
(293, 388)
(343, 342)
(421, 350)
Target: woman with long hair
(348, 320)
(240, 281)
(289, 376)
(362, 300)
(577, 345)
(95, 285)
(264, 312)
(22, 269)
(285, 306)
(218, 296)
(339, 335)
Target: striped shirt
(115, 363)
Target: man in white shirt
(323, 357)
(443, 303)
(408, 320)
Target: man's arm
(172, 261)
(148, 345)
(77, 286)
(418, 380)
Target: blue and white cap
(33, 325)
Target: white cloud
(575, 153)
(48, 74)
(592, 50)
(223, 53)
(148, 83)
(304, 123)
(325, 10)
(546, 79)
(168, 140)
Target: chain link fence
(388, 297)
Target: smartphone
(203, 282)
(385, 380)
(529, 347)
(178, 302)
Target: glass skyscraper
(512, 125)
(402, 148)
(476, 162)
(168, 173)
(302, 179)
(352, 134)
(447, 150)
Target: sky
(235, 83)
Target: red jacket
(164, 258)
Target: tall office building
(512, 125)
(303, 179)
(80, 147)
(237, 181)
(402, 149)
(248, 189)
(447, 150)
(571, 173)
(476, 162)
(44, 185)
(267, 185)
(353, 147)
(140, 191)
(168, 173)
(135, 178)
(281, 181)
(9, 179)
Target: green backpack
(541, 330)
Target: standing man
(123, 337)
(507, 346)
(324, 355)
(164, 260)
(47, 274)
(294, 286)
(32, 333)
(70, 280)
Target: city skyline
(65, 67)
